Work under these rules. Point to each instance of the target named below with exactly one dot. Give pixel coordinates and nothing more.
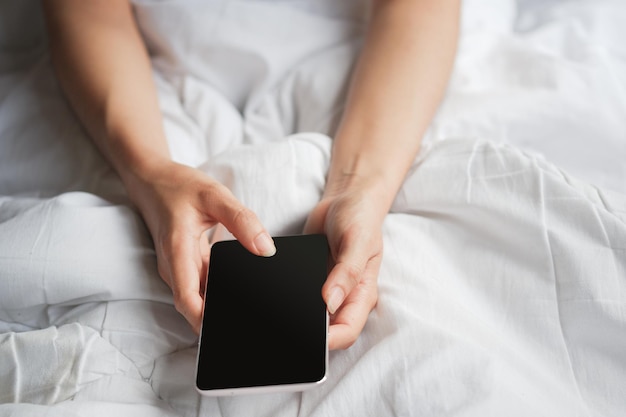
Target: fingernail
(265, 245)
(335, 300)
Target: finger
(243, 224)
(350, 320)
(205, 252)
(351, 261)
(312, 225)
(315, 221)
(185, 268)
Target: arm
(105, 72)
(398, 83)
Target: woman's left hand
(352, 222)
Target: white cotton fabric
(502, 290)
(503, 281)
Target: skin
(398, 83)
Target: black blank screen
(264, 318)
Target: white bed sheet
(503, 283)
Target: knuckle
(208, 191)
(173, 244)
(371, 296)
(242, 217)
(180, 301)
(371, 301)
(163, 272)
(349, 341)
(353, 273)
(348, 344)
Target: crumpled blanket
(501, 290)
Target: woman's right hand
(105, 72)
(179, 204)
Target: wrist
(141, 177)
(374, 175)
(365, 157)
(372, 187)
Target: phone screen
(265, 323)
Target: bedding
(503, 281)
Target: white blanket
(503, 283)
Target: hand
(179, 204)
(352, 221)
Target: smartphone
(265, 324)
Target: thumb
(346, 274)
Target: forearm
(104, 70)
(397, 85)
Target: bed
(503, 282)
